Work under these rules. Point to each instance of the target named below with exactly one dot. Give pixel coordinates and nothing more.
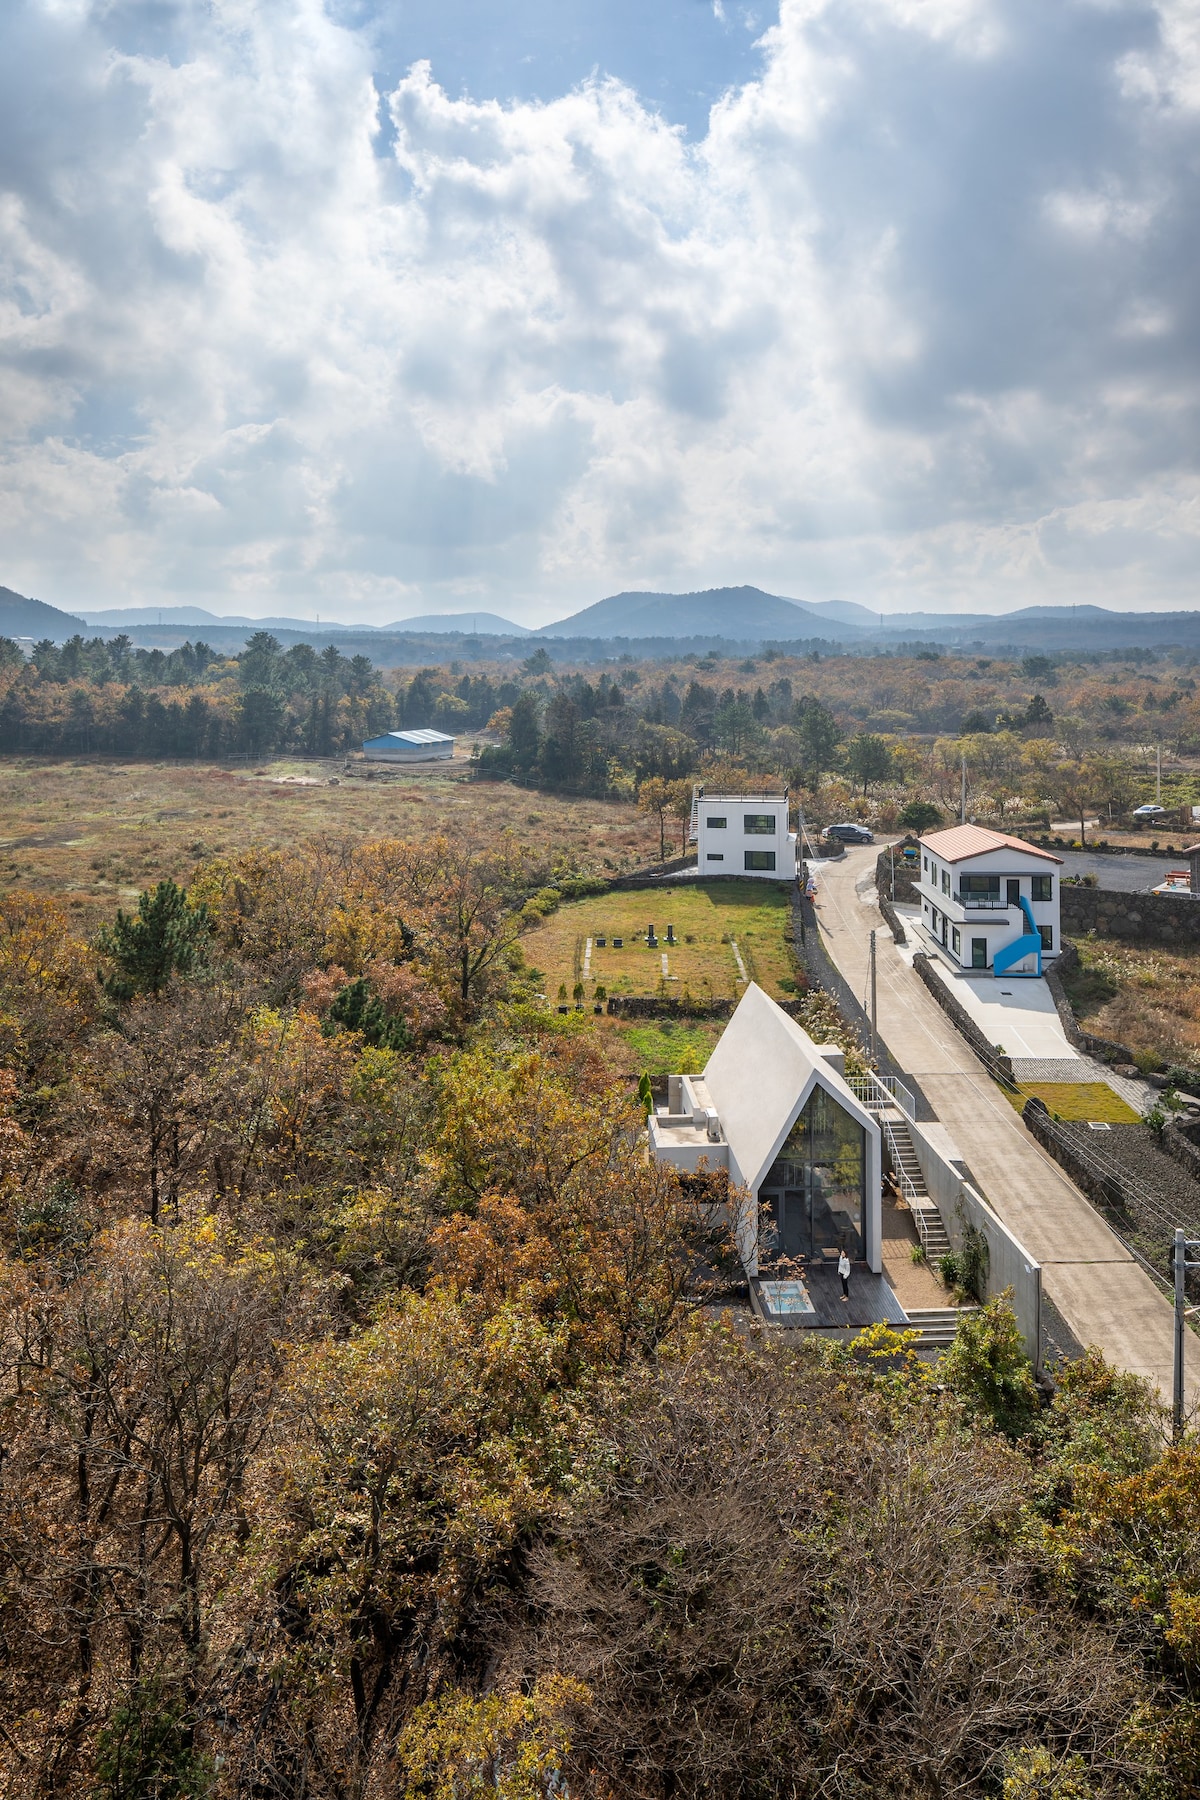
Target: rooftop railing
(878, 1092)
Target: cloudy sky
(371, 307)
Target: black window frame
(1043, 887)
(758, 825)
(714, 856)
(765, 866)
(718, 822)
(979, 955)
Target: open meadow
(725, 933)
(1145, 996)
(95, 833)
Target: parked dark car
(850, 833)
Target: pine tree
(166, 938)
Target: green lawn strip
(1077, 1101)
(667, 1048)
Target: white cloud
(905, 326)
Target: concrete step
(936, 1324)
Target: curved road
(1101, 1292)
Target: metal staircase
(1030, 944)
(694, 824)
(911, 1183)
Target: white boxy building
(990, 902)
(775, 1110)
(743, 834)
(409, 747)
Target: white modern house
(775, 1110)
(409, 747)
(989, 902)
(743, 834)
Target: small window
(715, 856)
(716, 823)
(925, 864)
(760, 859)
(1043, 887)
(956, 941)
(1046, 933)
(945, 881)
(759, 825)
(979, 953)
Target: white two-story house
(989, 901)
(743, 834)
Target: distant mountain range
(20, 617)
(472, 624)
(118, 618)
(717, 612)
(649, 624)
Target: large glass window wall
(813, 1196)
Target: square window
(716, 823)
(760, 859)
(715, 856)
(1043, 887)
(759, 825)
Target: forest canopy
(378, 1421)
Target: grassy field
(1078, 1100)
(95, 833)
(714, 923)
(664, 1047)
(1147, 997)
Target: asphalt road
(1120, 874)
(1097, 1286)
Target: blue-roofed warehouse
(409, 747)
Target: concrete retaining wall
(1156, 918)
(963, 1207)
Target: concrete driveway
(1105, 1297)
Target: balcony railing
(983, 902)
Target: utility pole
(874, 1007)
(1158, 774)
(1181, 1267)
(963, 800)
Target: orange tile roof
(961, 841)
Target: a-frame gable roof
(759, 1077)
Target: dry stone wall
(1150, 918)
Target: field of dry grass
(725, 934)
(1147, 997)
(96, 833)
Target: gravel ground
(1159, 1194)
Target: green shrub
(987, 1369)
(145, 1751)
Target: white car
(1149, 812)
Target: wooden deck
(872, 1300)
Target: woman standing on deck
(844, 1272)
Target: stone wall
(1103, 1049)
(1150, 918)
